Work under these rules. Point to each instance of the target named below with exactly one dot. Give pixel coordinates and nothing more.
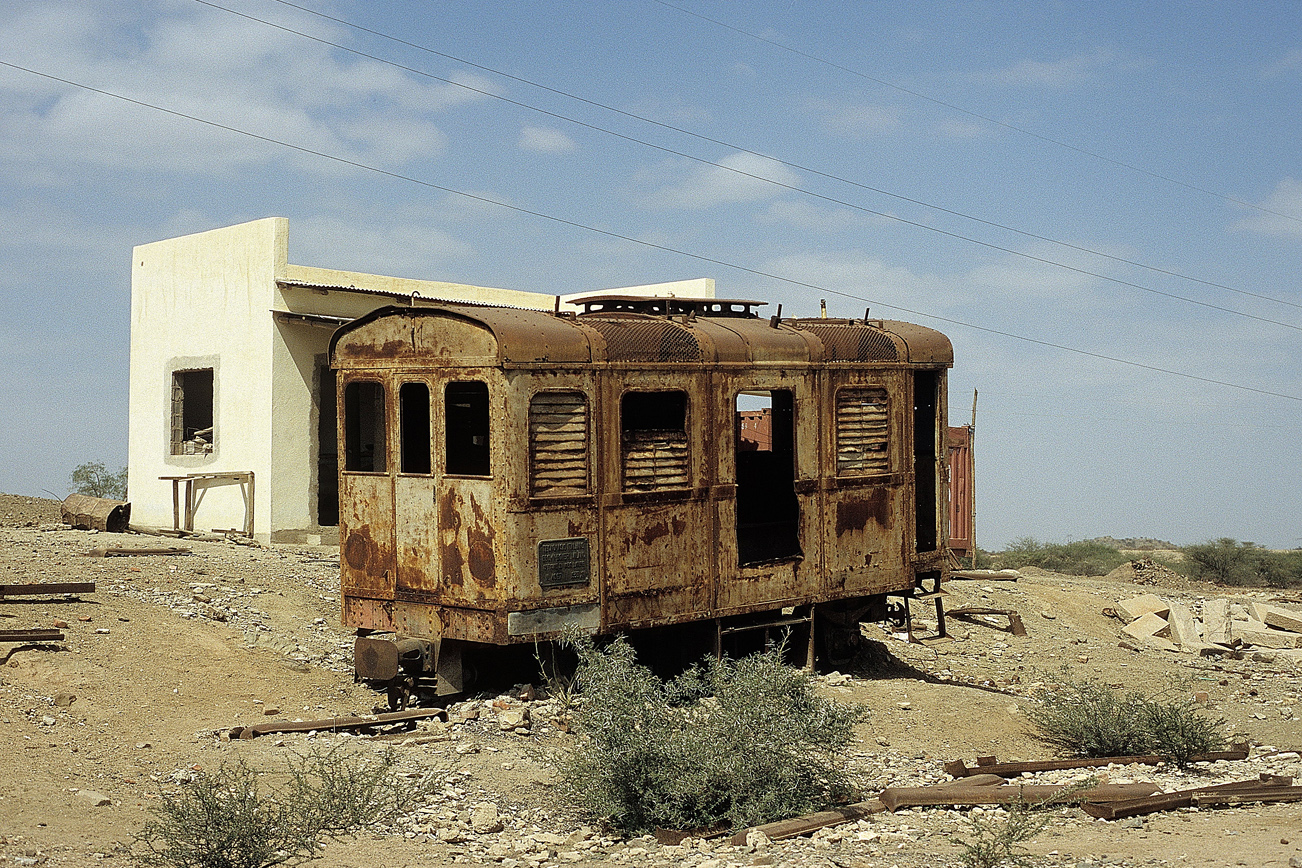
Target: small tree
(95, 480)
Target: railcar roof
(692, 334)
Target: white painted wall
(208, 300)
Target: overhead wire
(741, 172)
(642, 242)
(918, 94)
(740, 149)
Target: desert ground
(173, 651)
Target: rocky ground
(172, 651)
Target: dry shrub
(239, 817)
(729, 743)
(1089, 718)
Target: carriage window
(558, 444)
(364, 427)
(862, 432)
(653, 427)
(466, 425)
(413, 426)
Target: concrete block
(1144, 604)
(1184, 629)
(1284, 619)
(1266, 637)
(1159, 643)
(1147, 625)
(1216, 621)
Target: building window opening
(466, 428)
(768, 512)
(192, 412)
(653, 429)
(364, 427)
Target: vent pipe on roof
(777, 318)
(822, 307)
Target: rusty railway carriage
(509, 472)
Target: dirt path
(171, 651)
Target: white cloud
(866, 280)
(1065, 72)
(545, 140)
(1291, 61)
(212, 65)
(804, 215)
(405, 245)
(1286, 201)
(960, 128)
(739, 177)
(854, 120)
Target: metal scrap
(967, 613)
(988, 765)
(1007, 794)
(35, 635)
(340, 724)
(108, 551)
(36, 588)
(1267, 788)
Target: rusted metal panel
(658, 557)
(853, 342)
(467, 541)
(962, 491)
(366, 556)
(925, 346)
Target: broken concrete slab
(1216, 621)
(1160, 643)
(1184, 629)
(1147, 624)
(1284, 619)
(1266, 637)
(1137, 607)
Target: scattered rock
(484, 819)
(94, 799)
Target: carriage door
(414, 508)
(366, 493)
(768, 514)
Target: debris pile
(1222, 626)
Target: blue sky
(1101, 204)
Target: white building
(229, 376)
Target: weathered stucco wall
(208, 301)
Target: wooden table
(197, 483)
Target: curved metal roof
(524, 336)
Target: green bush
(235, 818)
(1229, 562)
(95, 480)
(729, 743)
(1079, 558)
(1089, 718)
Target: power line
(833, 64)
(742, 172)
(661, 247)
(742, 149)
